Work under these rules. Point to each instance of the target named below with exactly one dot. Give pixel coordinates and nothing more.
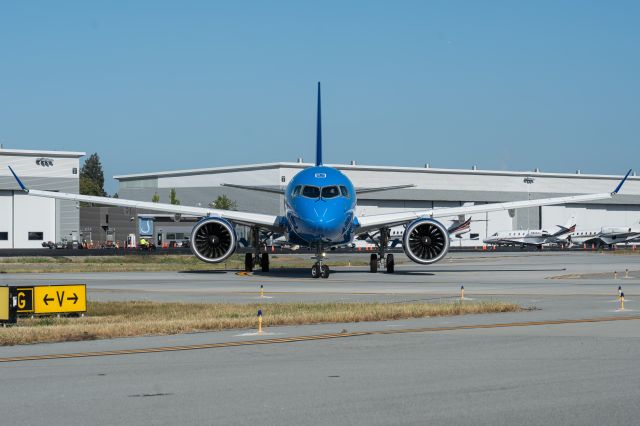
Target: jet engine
(425, 241)
(213, 240)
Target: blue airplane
(320, 213)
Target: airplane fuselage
(536, 237)
(320, 205)
(608, 235)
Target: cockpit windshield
(311, 192)
(327, 192)
(330, 192)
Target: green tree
(89, 187)
(116, 195)
(92, 171)
(223, 203)
(155, 198)
(172, 197)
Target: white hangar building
(433, 188)
(25, 221)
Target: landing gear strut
(319, 269)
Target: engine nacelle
(213, 240)
(425, 241)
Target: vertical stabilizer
(319, 133)
(571, 221)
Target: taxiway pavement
(572, 360)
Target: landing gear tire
(264, 262)
(391, 264)
(324, 271)
(248, 262)
(373, 263)
(315, 271)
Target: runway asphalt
(571, 360)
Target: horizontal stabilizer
(382, 188)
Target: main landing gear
(250, 261)
(389, 263)
(382, 258)
(257, 258)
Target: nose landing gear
(319, 269)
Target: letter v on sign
(58, 299)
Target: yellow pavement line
(312, 337)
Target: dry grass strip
(106, 320)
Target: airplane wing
(508, 242)
(392, 219)
(263, 220)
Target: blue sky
(153, 85)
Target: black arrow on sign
(47, 299)
(74, 298)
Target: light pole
(529, 181)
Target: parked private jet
(606, 235)
(320, 205)
(532, 237)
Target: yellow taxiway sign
(4, 303)
(55, 299)
(25, 299)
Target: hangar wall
(29, 221)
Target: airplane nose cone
(322, 222)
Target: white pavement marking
(264, 333)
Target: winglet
(615, 191)
(319, 133)
(24, 188)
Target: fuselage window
(330, 192)
(344, 190)
(296, 191)
(311, 192)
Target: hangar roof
(37, 153)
